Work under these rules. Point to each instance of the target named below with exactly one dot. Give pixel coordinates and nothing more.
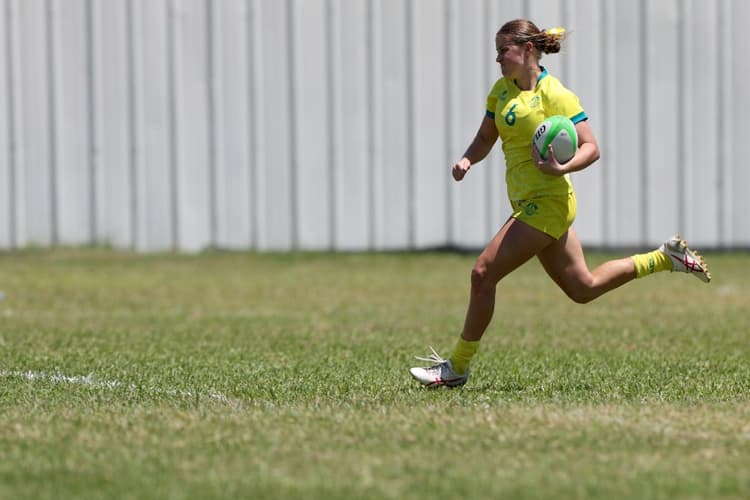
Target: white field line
(89, 381)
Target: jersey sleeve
(562, 101)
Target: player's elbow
(596, 154)
(592, 150)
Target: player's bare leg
(513, 245)
(565, 263)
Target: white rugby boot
(684, 259)
(440, 373)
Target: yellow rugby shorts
(552, 215)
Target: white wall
(331, 124)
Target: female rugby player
(541, 196)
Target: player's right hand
(460, 168)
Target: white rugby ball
(560, 132)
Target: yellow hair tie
(559, 31)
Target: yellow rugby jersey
(517, 114)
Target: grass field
(286, 376)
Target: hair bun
(552, 39)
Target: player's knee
(580, 297)
(480, 281)
(579, 292)
(478, 274)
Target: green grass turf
(231, 375)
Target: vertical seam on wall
(720, 153)
(332, 125)
(643, 48)
(565, 56)
(173, 123)
(683, 137)
(252, 123)
(730, 164)
(604, 79)
(726, 120)
(133, 174)
(52, 124)
(211, 96)
(410, 124)
(448, 28)
(93, 165)
(372, 127)
(369, 128)
(488, 52)
(293, 139)
(12, 136)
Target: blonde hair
(521, 31)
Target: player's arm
(588, 149)
(588, 153)
(479, 148)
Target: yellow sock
(650, 263)
(462, 354)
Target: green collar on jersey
(541, 75)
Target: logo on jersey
(535, 101)
(504, 95)
(531, 208)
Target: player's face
(510, 56)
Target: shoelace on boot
(432, 358)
